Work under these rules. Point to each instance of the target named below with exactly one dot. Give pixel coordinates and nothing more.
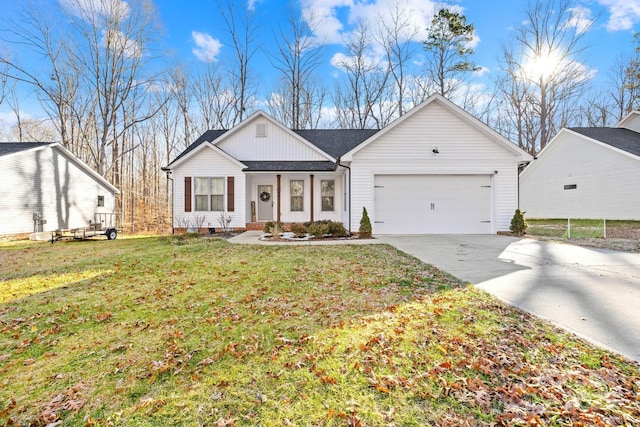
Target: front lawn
(196, 331)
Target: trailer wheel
(112, 234)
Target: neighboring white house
(46, 188)
(435, 170)
(590, 173)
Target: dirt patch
(614, 244)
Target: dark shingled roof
(334, 142)
(623, 139)
(15, 147)
(288, 166)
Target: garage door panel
(432, 204)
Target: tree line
(113, 99)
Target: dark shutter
(187, 194)
(231, 193)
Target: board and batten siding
(277, 144)
(207, 163)
(48, 182)
(606, 181)
(462, 149)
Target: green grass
(580, 228)
(196, 331)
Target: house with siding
(587, 173)
(46, 188)
(437, 169)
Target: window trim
(292, 196)
(209, 194)
(322, 196)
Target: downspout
(169, 173)
(349, 169)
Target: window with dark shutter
(187, 194)
(230, 193)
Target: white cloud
(624, 14)
(207, 48)
(119, 42)
(581, 19)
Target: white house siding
(47, 182)
(278, 144)
(408, 149)
(607, 182)
(207, 163)
(632, 122)
(255, 179)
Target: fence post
(605, 228)
(568, 228)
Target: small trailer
(103, 224)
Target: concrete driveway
(593, 293)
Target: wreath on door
(265, 196)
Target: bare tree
(546, 60)
(364, 85)
(242, 30)
(396, 35)
(298, 100)
(448, 43)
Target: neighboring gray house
(46, 188)
(437, 169)
(586, 172)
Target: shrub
(365, 224)
(336, 229)
(270, 227)
(299, 229)
(518, 223)
(318, 229)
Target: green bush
(270, 225)
(299, 229)
(318, 229)
(336, 229)
(365, 224)
(518, 223)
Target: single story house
(586, 172)
(436, 169)
(47, 188)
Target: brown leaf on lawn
(101, 317)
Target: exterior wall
(207, 163)
(606, 180)
(288, 216)
(51, 184)
(632, 122)
(278, 144)
(408, 149)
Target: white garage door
(432, 204)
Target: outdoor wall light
(435, 151)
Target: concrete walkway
(253, 238)
(593, 293)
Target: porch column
(278, 198)
(311, 192)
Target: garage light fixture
(435, 151)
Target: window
(297, 195)
(100, 201)
(209, 193)
(327, 192)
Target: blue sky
(194, 33)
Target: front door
(265, 202)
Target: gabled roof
(620, 138)
(336, 142)
(522, 155)
(7, 148)
(208, 136)
(289, 166)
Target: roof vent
(261, 130)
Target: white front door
(265, 202)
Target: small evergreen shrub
(299, 229)
(318, 229)
(336, 229)
(518, 223)
(365, 224)
(270, 227)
